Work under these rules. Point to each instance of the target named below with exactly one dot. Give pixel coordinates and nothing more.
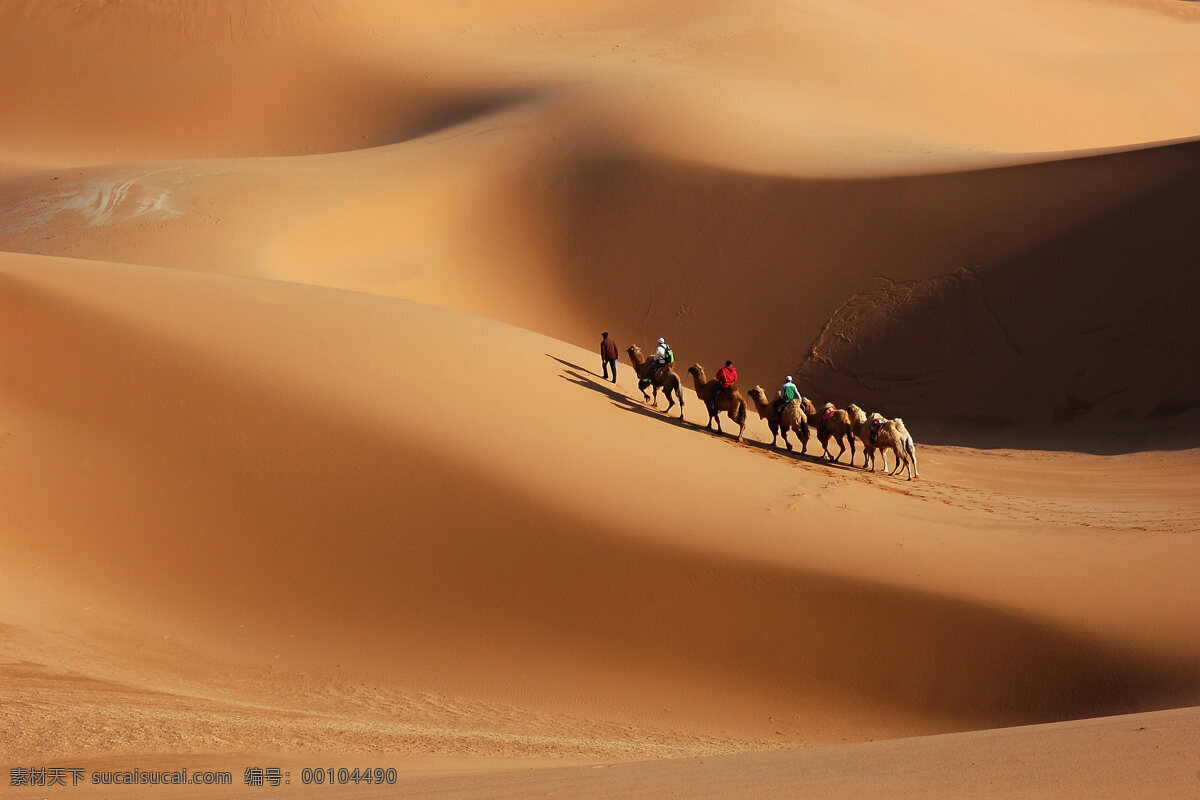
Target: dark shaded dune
(1095, 327)
(1084, 264)
(233, 503)
(152, 80)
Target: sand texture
(307, 461)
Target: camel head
(857, 415)
(759, 395)
(697, 371)
(634, 350)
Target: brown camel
(731, 401)
(877, 433)
(766, 410)
(782, 419)
(832, 423)
(664, 377)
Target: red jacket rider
(727, 375)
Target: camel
(858, 418)
(832, 423)
(664, 377)
(877, 433)
(731, 402)
(908, 447)
(791, 417)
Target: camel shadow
(815, 459)
(580, 376)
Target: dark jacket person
(608, 355)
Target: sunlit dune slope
(303, 449)
(95, 82)
(1115, 758)
(98, 82)
(296, 471)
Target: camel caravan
(788, 412)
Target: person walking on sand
(608, 356)
(726, 380)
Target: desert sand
(308, 463)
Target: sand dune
(988, 764)
(1034, 273)
(403, 509)
(154, 80)
(305, 452)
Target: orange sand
(306, 460)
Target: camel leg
(912, 458)
(783, 431)
(656, 395)
(642, 384)
(842, 449)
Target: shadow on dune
(153, 81)
(452, 111)
(589, 380)
(580, 376)
(1082, 336)
(219, 496)
(1068, 330)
